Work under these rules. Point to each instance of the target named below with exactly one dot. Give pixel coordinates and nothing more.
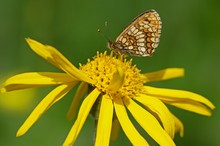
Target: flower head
(115, 87)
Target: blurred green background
(190, 39)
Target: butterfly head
(116, 47)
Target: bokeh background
(190, 39)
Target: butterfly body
(140, 37)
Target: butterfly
(140, 37)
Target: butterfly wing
(141, 36)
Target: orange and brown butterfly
(140, 37)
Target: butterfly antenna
(103, 34)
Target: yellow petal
(117, 81)
(41, 50)
(182, 99)
(115, 129)
(165, 74)
(178, 126)
(149, 123)
(191, 106)
(82, 115)
(128, 128)
(78, 95)
(104, 122)
(35, 79)
(158, 108)
(56, 58)
(42, 107)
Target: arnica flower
(115, 90)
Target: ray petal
(82, 89)
(53, 56)
(35, 79)
(182, 99)
(104, 122)
(159, 108)
(128, 128)
(149, 123)
(82, 115)
(164, 74)
(43, 106)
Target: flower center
(102, 68)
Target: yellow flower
(115, 87)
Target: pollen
(102, 68)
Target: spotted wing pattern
(140, 37)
